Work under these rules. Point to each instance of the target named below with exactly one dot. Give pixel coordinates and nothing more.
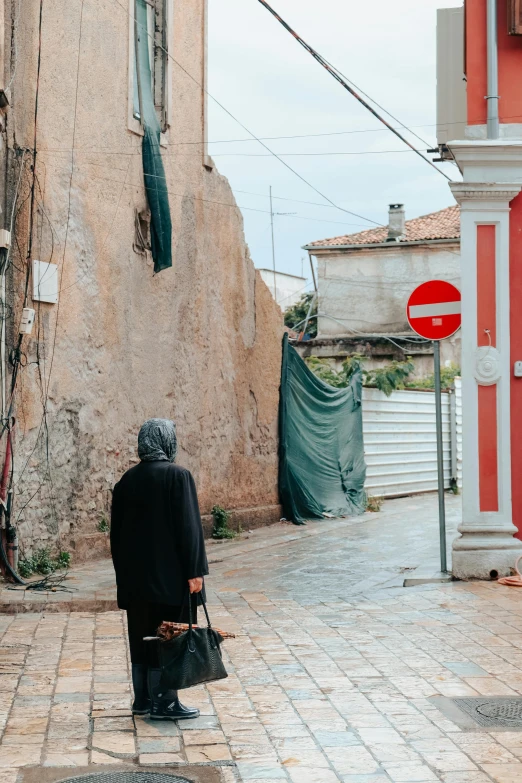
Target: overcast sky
(275, 88)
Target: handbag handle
(191, 647)
(188, 594)
(190, 630)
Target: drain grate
(126, 777)
(493, 711)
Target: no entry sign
(433, 310)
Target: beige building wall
(365, 290)
(199, 343)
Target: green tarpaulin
(322, 468)
(153, 168)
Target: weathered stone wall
(199, 343)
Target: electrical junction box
(27, 322)
(518, 369)
(45, 282)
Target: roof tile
(444, 224)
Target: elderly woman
(159, 557)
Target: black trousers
(143, 619)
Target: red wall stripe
(487, 395)
(515, 325)
(488, 450)
(486, 285)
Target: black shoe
(167, 706)
(172, 709)
(141, 704)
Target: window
(149, 62)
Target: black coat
(157, 539)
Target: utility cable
(36, 97)
(247, 130)
(234, 154)
(131, 184)
(315, 135)
(51, 363)
(342, 81)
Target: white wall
(366, 290)
(288, 288)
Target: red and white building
(490, 160)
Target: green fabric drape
(322, 468)
(153, 168)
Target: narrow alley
(336, 673)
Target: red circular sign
(433, 310)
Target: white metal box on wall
(451, 83)
(45, 282)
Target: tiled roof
(444, 224)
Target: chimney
(396, 226)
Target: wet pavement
(332, 674)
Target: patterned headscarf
(157, 441)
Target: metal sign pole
(440, 458)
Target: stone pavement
(331, 676)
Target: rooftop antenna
(272, 213)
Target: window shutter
(515, 17)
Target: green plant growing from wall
(42, 562)
(388, 378)
(374, 504)
(25, 567)
(296, 315)
(221, 519)
(103, 525)
(64, 559)
(447, 378)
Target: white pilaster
(492, 172)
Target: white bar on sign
(440, 308)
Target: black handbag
(191, 658)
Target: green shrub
(447, 378)
(295, 316)
(42, 562)
(64, 560)
(221, 518)
(26, 567)
(388, 378)
(103, 525)
(374, 504)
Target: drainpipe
(492, 46)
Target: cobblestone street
(331, 676)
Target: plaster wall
(366, 290)
(199, 343)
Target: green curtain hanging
(321, 469)
(153, 168)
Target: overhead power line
(227, 111)
(131, 184)
(137, 153)
(342, 81)
(312, 154)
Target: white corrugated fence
(400, 441)
(458, 432)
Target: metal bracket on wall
(515, 17)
